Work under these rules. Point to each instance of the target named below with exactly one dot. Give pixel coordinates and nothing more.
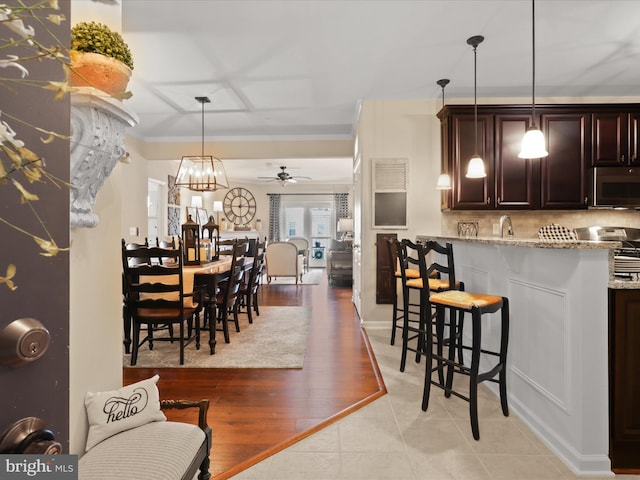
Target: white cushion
(115, 411)
(157, 450)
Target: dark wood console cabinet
(624, 380)
(578, 137)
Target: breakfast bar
(558, 343)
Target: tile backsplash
(527, 222)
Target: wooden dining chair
(156, 297)
(227, 301)
(249, 287)
(126, 315)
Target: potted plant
(100, 58)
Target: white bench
(159, 450)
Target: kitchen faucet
(506, 219)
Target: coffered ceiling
(297, 70)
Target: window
(294, 222)
(309, 217)
(389, 187)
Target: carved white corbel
(98, 124)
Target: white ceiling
(297, 70)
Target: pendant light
(444, 180)
(476, 165)
(533, 144)
(203, 173)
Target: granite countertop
(527, 242)
(614, 282)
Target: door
(517, 179)
(385, 270)
(39, 388)
(472, 193)
(609, 139)
(563, 171)
(357, 230)
(155, 208)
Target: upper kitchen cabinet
(517, 180)
(563, 171)
(616, 136)
(470, 193)
(558, 181)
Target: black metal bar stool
(458, 303)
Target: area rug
(312, 277)
(276, 339)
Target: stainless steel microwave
(616, 187)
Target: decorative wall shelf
(98, 124)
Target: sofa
(130, 438)
(340, 262)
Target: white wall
(398, 129)
(95, 317)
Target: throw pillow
(115, 411)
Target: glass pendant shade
(476, 168)
(201, 174)
(533, 144)
(444, 182)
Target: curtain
(341, 206)
(274, 217)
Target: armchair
(303, 249)
(282, 260)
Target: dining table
(210, 273)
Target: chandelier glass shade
(533, 144)
(202, 173)
(444, 182)
(476, 168)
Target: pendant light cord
(475, 96)
(533, 43)
(202, 145)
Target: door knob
(29, 436)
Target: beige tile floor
(393, 439)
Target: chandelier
(203, 173)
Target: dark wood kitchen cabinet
(616, 137)
(563, 174)
(517, 180)
(469, 193)
(556, 182)
(624, 380)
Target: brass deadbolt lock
(23, 341)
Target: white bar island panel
(558, 345)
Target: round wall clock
(239, 206)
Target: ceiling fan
(284, 178)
